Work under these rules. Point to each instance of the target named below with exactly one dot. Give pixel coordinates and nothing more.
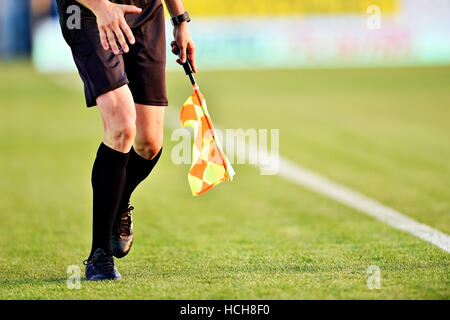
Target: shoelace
(106, 265)
(125, 222)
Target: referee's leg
(146, 151)
(142, 159)
(149, 130)
(109, 170)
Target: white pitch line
(314, 181)
(311, 180)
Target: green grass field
(382, 132)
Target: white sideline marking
(311, 180)
(307, 178)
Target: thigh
(117, 108)
(149, 128)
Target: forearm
(175, 7)
(183, 46)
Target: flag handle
(189, 71)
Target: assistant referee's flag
(210, 165)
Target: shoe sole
(104, 279)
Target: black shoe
(122, 236)
(101, 267)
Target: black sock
(108, 180)
(138, 169)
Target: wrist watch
(181, 18)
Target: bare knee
(121, 135)
(148, 149)
(119, 119)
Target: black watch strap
(181, 18)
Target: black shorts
(142, 68)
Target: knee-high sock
(108, 180)
(138, 169)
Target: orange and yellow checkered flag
(210, 166)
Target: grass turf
(383, 132)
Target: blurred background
(360, 93)
(264, 34)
